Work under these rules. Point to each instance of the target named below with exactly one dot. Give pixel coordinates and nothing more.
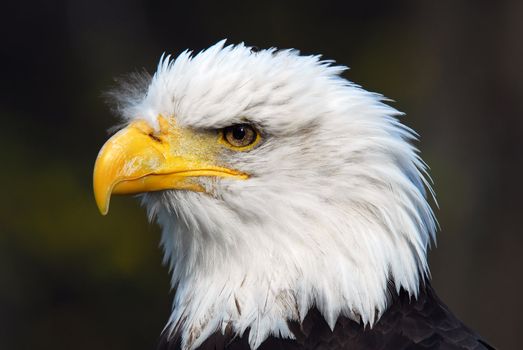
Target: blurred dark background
(70, 278)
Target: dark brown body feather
(424, 323)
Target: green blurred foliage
(70, 278)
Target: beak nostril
(154, 137)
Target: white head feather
(334, 212)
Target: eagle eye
(240, 136)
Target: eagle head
(279, 186)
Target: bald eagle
(292, 203)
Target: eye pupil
(238, 132)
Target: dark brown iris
(240, 135)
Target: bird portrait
(295, 209)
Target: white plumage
(333, 214)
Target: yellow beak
(137, 160)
